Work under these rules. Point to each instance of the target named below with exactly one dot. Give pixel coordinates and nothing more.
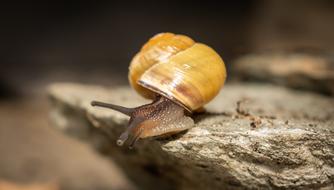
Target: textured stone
(251, 137)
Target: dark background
(93, 42)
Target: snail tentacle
(133, 123)
(124, 110)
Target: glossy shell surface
(158, 49)
(191, 74)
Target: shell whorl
(191, 74)
(158, 49)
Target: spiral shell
(191, 74)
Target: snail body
(180, 75)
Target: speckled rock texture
(252, 136)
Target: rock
(296, 70)
(251, 137)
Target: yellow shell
(189, 73)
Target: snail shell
(185, 74)
(174, 66)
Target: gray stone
(251, 137)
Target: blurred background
(93, 42)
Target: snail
(179, 75)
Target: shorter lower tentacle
(131, 130)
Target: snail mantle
(251, 137)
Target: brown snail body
(180, 75)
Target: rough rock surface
(251, 137)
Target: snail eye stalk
(124, 110)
